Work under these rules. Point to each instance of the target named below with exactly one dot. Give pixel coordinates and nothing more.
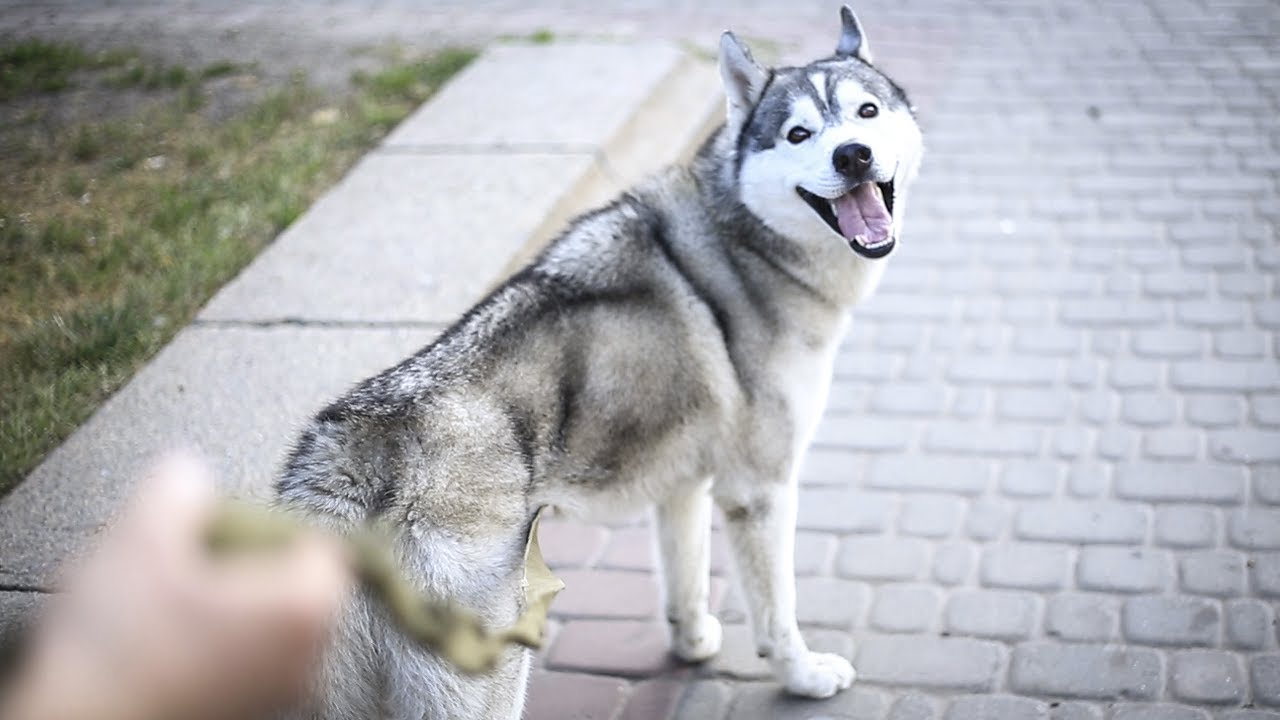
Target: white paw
(698, 640)
(818, 675)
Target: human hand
(152, 626)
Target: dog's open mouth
(863, 216)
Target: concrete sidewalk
(1048, 482)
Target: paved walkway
(1048, 484)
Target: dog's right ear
(743, 79)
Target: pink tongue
(861, 212)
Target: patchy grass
(114, 232)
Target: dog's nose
(852, 159)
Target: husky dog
(672, 349)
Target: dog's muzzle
(863, 216)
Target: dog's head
(825, 152)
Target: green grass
(35, 66)
(113, 233)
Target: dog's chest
(802, 370)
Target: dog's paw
(818, 675)
(698, 640)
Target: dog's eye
(868, 110)
(797, 135)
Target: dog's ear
(743, 79)
(853, 42)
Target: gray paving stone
(1074, 711)
(988, 614)
(1048, 341)
(1082, 617)
(953, 563)
(1148, 409)
(1116, 443)
(1186, 526)
(905, 608)
(937, 474)
(1254, 528)
(704, 700)
(627, 648)
(1095, 407)
(1069, 443)
(1250, 624)
(1170, 482)
(1239, 345)
(1211, 313)
(882, 558)
(913, 399)
(1157, 711)
(1081, 522)
(1176, 620)
(845, 511)
(987, 519)
(1003, 440)
(1219, 573)
(920, 661)
(1131, 374)
(1016, 370)
(1264, 670)
(1024, 566)
(1087, 479)
(829, 602)
(815, 553)
(825, 466)
(1264, 575)
(912, 706)
(996, 707)
(1019, 405)
(933, 516)
(1084, 372)
(1266, 484)
(1175, 285)
(1222, 376)
(1250, 446)
(554, 695)
(1117, 569)
(863, 434)
(765, 701)
(1214, 410)
(968, 402)
(1248, 715)
(1265, 409)
(1029, 478)
(1208, 676)
(1172, 444)
(1085, 671)
(1106, 314)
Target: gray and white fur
(671, 350)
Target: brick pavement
(1047, 483)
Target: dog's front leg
(761, 523)
(684, 537)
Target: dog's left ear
(853, 42)
(744, 80)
